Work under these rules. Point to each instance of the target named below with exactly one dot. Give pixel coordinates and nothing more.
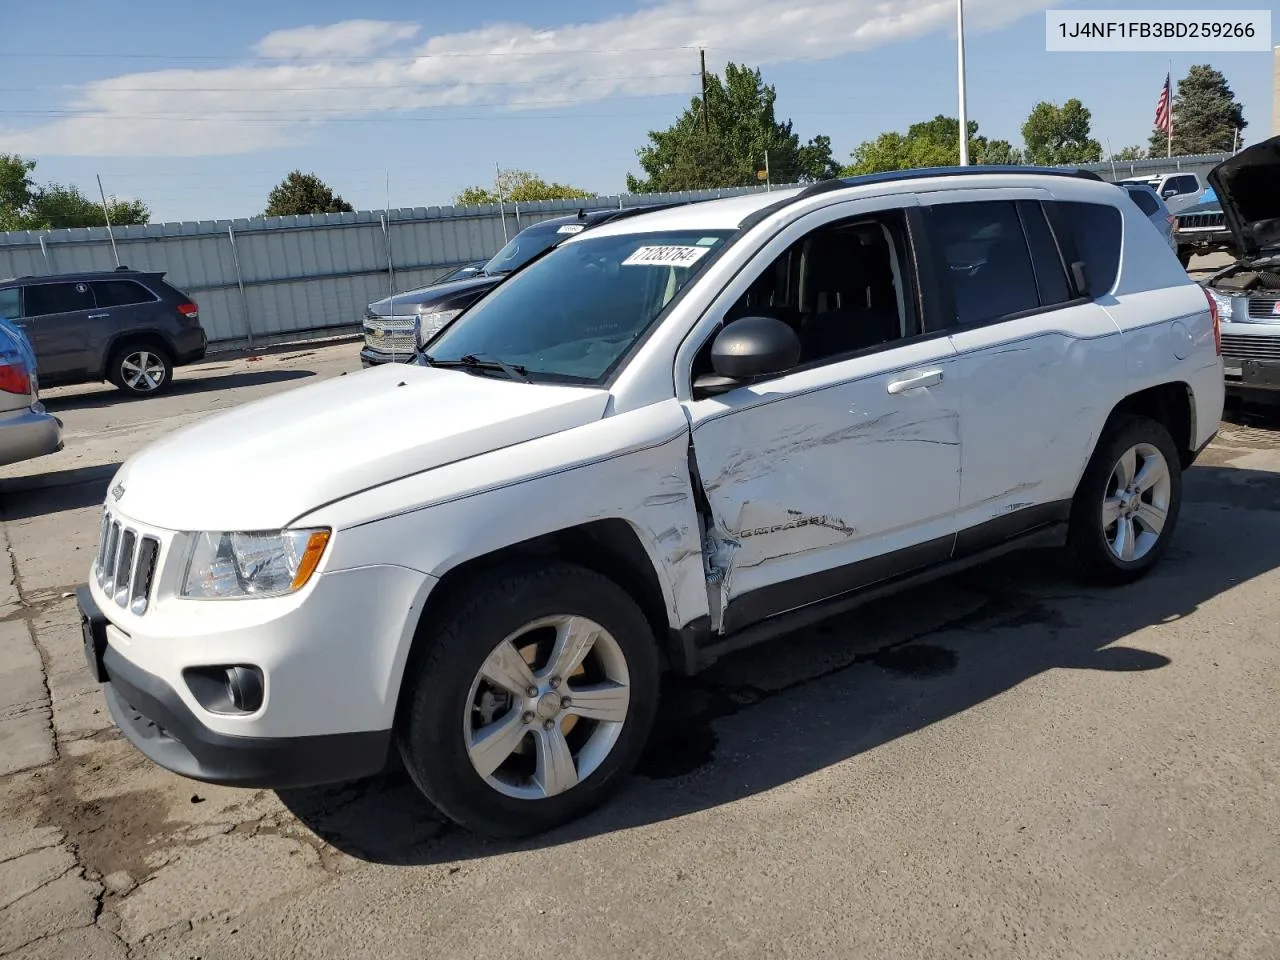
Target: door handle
(98, 316)
(927, 378)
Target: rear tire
(1127, 504)
(503, 758)
(141, 368)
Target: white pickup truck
(668, 438)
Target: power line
(287, 118)
(356, 86)
(389, 58)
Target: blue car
(27, 430)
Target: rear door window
(43, 299)
(1096, 230)
(988, 262)
(1145, 201)
(121, 293)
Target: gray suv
(125, 326)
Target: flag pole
(964, 118)
(1169, 131)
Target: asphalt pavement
(998, 765)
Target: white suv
(668, 438)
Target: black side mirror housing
(746, 350)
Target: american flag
(1164, 108)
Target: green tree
(1059, 135)
(519, 186)
(302, 193)
(1000, 152)
(16, 189)
(931, 143)
(25, 205)
(1206, 116)
(1134, 152)
(727, 146)
(58, 207)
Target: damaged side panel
(793, 486)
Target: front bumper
(29, 433)
(157, 721)
(1250, 376)
(375, 358)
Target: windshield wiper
(474, 361)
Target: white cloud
(351, 38)
(650, 51)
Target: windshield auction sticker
(1160, 31)
(671, 256)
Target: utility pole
(768, 183)
(964, 113)
(706, 116)
(107, 216)
(502, 208)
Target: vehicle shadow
(784, 711)
(97, 397)
(22, 498)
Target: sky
(199, 109)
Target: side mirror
(747, 350)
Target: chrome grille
(1250, 348)
(126, 564)
(390, 336)
(1263, 309)
(1193, 221)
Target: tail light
(1173, 221)
(1216, 320)
(189, 310)
(14, 378)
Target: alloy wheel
(142, 371)
(1136, 505)
(547, 707)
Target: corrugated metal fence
(274, 276)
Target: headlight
(1224, 303)
(224, 566)
(429, 324)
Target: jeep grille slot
(126, 565)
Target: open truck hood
(1248, 187)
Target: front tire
(1127, 505)
(141, 369)
(531, 701)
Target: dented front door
(828, 479)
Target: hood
(1211, 206)
(1246, 185)
(455, 294)
(262, 465)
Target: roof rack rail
(917, 173)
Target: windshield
(527, 244)
(573, 315)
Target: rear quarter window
(121, 293)
(1097, 231)
(10, 303)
